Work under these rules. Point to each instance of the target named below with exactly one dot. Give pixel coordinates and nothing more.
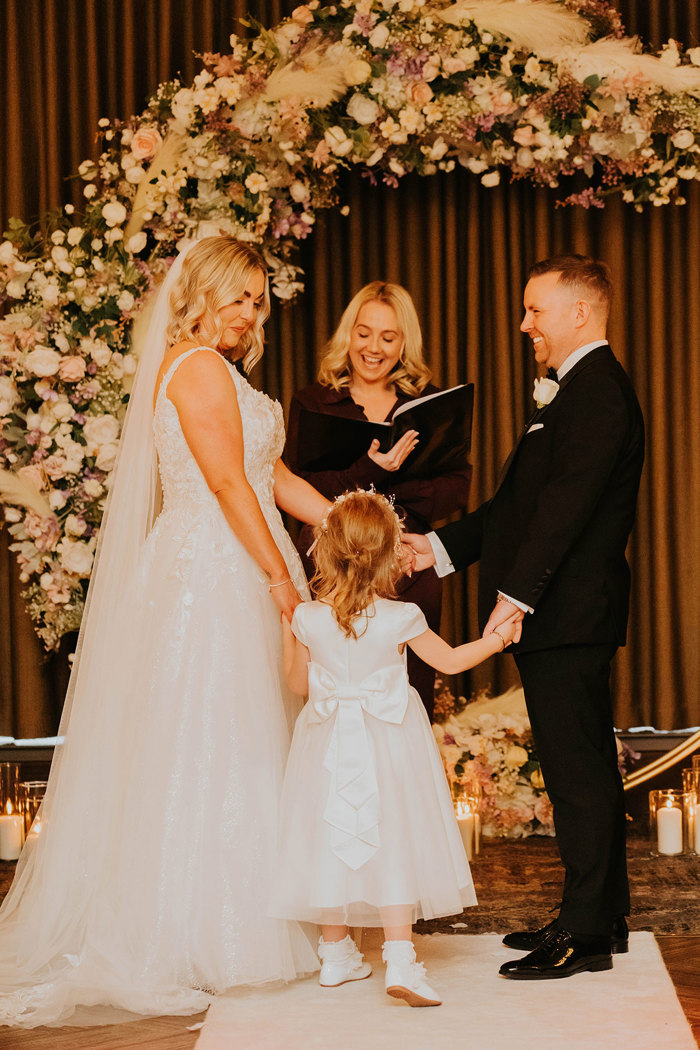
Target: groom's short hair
(579, 272)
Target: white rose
(100, 430)
(93, 488)
(63, 411)
(363, 110)
(98, 350)
(75, 526)
(114, 213)
(9, 395)
(693, 54)
(516, 757)
(7, 253)
(379, 35)
(357, 71)
(75, 235)
(545, 391)
(492, 178)
(43, 361)
(137, 243)
(298, 191)
(128, 365)
(135, 174)
(337, 141)
(125, 302)
(75, 557)
(524, 157)
(105, 457)
(683, 139)
(58, 499)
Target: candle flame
(9, 807)
(465, 808)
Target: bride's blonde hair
(215, 274)
(357, 551)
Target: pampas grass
(541, 27)
(14, 490)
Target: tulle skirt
(419, 871)
(147, 888)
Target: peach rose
(146, 143)
(72, 369)
(419, 92)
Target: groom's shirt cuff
(443, 565)
(514, 601)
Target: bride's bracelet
(282, 583)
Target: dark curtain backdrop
(461, 250)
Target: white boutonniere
(545, 391)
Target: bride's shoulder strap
(174, 365)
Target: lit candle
(469, 827)
(11, 834)
(669, 830)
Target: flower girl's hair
(357, 551)
(215, 274)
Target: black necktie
(552, 374)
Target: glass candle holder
(31, 796)
(696, 762)
(691, 788)
(469, 821)
(669, 820)
(9, 783)
(11, 820)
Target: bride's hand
(287, 598)
(393, 459)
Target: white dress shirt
(443, 563)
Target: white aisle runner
(634, 1006)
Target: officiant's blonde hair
(358, 556)
(411, 374)
(214, 274)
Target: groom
(551, 546)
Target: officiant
(372, 365)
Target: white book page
(421, 400)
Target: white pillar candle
(669, 830)
(11, 836)
(467, 828)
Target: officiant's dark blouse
(424, 502)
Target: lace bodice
(185, 490)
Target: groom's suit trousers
(567, 691)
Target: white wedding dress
(147, 888)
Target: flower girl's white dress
(367, 822)
(147, 888)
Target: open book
(443, 421)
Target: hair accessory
(371, 491)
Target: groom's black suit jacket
(554, 533)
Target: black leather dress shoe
(560, 955)
(528, 940)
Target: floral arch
(545, 90)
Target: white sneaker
(341, 962)
(405, 978)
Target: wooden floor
(681, 954)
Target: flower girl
(369, 836)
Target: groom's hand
(501, 612)
(424, 556)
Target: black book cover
(443, 421)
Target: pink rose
(44, 531)
(419, 92)
(146, 143)
(72, 369)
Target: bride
(145, 889)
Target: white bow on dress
(352, 808)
